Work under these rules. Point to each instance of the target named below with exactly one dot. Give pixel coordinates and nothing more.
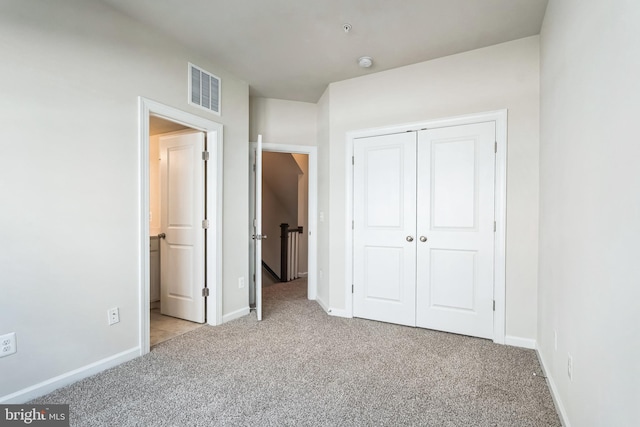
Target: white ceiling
(292, 49)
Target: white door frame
(499, 285)
(214, 187)
(312, 208)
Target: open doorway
(285, 195)
(198, 197)
(173, 310)
(288, 210)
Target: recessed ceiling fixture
(346, 27)
(365, 61)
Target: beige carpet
(300, 367)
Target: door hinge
(494, 226)
(205, 155)
(353, 225)
(494, 305)
(495, 146)
(351, 288)
(254, 167)
(254, 277)
(205, 292)
(205, 223)
(353, 160)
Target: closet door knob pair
(422, 239)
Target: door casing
(500, 118)
(214, 132)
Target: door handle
(423, 239)
(162, 236)
(409, 238)
(259, 237)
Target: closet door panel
(384, 218)
(453, 186)
(455, 214)
(453, 278)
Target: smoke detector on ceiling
(365, 61)
(346, 27)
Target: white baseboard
(323, 304)
(37, 390)
(520, 342)
(235, 314)
(339, 312)
(333, 311)
(554, 392)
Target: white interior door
(384, 228)
(455, 223)
(182, 207)
(257, 226)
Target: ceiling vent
(204, 89)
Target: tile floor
(164, 328)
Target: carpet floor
(301, 367)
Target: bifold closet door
(455, 227)
(384, 228)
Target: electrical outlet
(570, 367)
(8, 344)
(555, 340)
(241, 282)
(113, 315)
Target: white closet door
(384, 227)
(455, 227)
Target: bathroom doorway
(174, 309)
(160, 127)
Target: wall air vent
(204, 89)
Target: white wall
(70, 79)
(589, 277)
(282, 122)
(287, 122)
(497, 77)
(324, 151)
